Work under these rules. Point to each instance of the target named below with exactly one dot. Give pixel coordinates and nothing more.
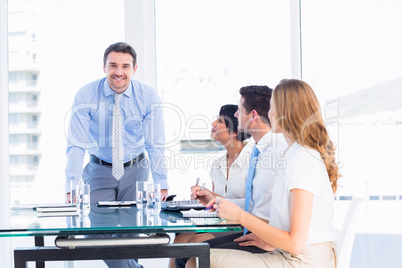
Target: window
(35, 160)
(34, 118)
(206, 51)
(352, 58)
(14, 160)
(50, 58)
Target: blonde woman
(300, 232)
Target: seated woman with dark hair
(228, 173)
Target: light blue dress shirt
(90, 127)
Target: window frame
(5, 243)
(139, 22)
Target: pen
(208, 208)
(202, 187)
(197, 181)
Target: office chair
(344, 245)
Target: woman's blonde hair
(298, 115)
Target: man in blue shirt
(116, 165)
(142, 129)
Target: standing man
(118, 121)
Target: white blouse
(234, 187)
(305, 170)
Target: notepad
(192, 213)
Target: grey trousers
(104, 187)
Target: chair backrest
(344, 245)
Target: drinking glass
(83, 199)
(154, 198)
(141, 194)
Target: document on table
(56, 208)
(192, 213)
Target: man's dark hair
(123, 48)
(257, 98)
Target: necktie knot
(255, 152)
(253, 156)
(117, 98)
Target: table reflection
(111, 220)
(126, 217)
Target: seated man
(228, 173)
(253, 119)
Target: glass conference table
(109, 233)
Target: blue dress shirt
(90, 127)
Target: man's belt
(94, 159)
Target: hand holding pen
(201, 193)
(195, 189)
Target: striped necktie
(250, 176)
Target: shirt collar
(242, 159)
(265, 141)
(108, 91)
(288, 151)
